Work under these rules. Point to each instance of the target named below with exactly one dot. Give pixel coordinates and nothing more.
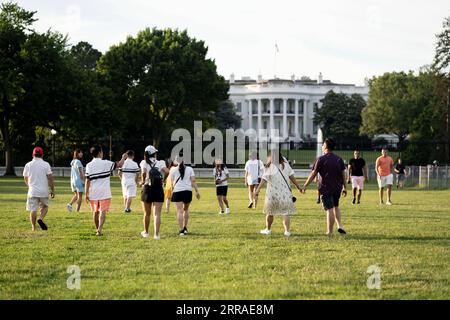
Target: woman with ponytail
(183, 179)
(152, 196)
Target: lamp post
(53, 132)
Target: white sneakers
(156, 238)
(227, 211)
(269, 232)
(69, 207)
(389, 203)
(144, 234)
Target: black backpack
(155, 177)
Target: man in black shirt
(401, 174)
(357, 173)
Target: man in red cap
(38, 177)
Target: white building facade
(285, 105)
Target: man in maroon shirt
(333, 176)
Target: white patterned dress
(278, 199)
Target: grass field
(225, 257)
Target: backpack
(155, 177)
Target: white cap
(151, 149)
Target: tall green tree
(340, 116)
(393, 105)
(226, 116)
(164, 80)
(85, 55)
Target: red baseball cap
(38, 151)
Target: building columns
(260, 115)
(305, 117)
(272, 120)
(285, 128)
(250, 119)
(297, 137)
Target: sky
(345, 40)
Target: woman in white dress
(279, 200)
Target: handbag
(293, 198)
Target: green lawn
(225, 257)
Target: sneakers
(127, 210)
(181, 233)
(381, 203)
(69, 207)
(42, 224)
(144, 234)
(287, 234)
(185, 231)
(389, 203)
(353, 201)
(221, 212)
(266, 232)
(250, 205)
(227, 211)
(342, 231)
(318, 201)
(156, 238)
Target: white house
(286, 105)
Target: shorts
(330, 201)
(385, 181)
(100, 205)
(357, 182)
(221, 191)
(77, 186)
(129, 190)
(34, 203)
(251, 182)
(182, 196)
(401, 177)
(151, 195)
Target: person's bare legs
(381, 191)
(79, 200)
(220, 200)
(101, 222)
(185, 215)
(157, 207)
(269, 221)
(180, 211)
(287, 223)
(359, 195)
(251, 194)
(389, 192)
(95, 216)
(337, 216)
(128, 203)
(354, 193)
(74, 198)
(33, 218)
(225, 201)
(147, 208)
(330, 221)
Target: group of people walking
(161, 184)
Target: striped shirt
(99, 171)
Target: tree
(15, 22)
(340, 116)
(393, 105)
(85, 55)
(164, 80)
(226, 116)
(442, 55)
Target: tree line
(412, 106)
(140, 89)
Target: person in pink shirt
(384, 167)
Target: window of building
(238, 107)
(290, 128)
(278, 106)
(300, 107)
(265, 125)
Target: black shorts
(182, 196)
(150, 195)
(221, 191)
(330, 201)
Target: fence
(427, 177)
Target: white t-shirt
(129, 171)
(221, 175)
(184, 184)
(99, 171)
(251, 166)
(37, 171)
(145, 167)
